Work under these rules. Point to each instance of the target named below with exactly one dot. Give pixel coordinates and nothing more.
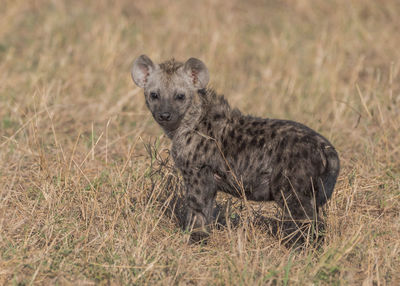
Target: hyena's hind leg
(301, 224)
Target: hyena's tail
(327, 181)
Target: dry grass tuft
(83, 202)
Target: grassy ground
(80, 199)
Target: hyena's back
(278, 159)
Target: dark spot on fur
(205, 147)
(239, 139)
(304, 153)
(261, 142)
(223, 130)
(217, 116)
(277, 178)
(202, 91)
(242, 146)
(235, 156)
(199, 145)
(253, 141)
(197, 191)
(282, 144)
(250, 131)
(306, 138)
(188, 140)
(208, 126)
(277, 124)
(241, 121)
(232, 133)
(194, 200)
(195, 157)
(273, 135)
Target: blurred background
(73, 129)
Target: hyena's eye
(154, 95)
(180, 96)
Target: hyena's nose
(164, 116)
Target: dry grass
(79, 201)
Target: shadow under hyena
(217, 148)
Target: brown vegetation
(81, 200)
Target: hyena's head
(169, 88)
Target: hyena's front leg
(200, 196)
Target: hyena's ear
(142, 68)
(198, 72)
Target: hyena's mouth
(169, 126)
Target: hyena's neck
(189, 121)
(207, 105)
(214, 106)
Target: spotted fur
(217, 148)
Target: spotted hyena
(217, 148)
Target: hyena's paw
(199, 236)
